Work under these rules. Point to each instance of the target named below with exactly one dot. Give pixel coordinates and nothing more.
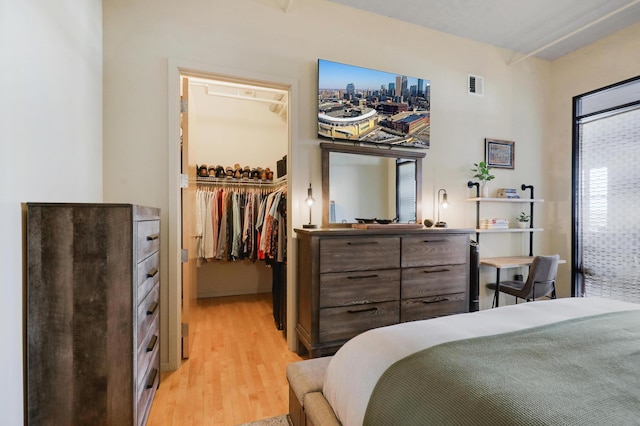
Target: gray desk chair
(540, 282)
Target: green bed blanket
(584, 371)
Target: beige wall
(606, 62)
(51, 144)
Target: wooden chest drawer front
(433, 281)
(346, 322)
(358, 287)
(359, 254)
(435, 250)
(148, 275)
(147, 350)
(148, 389)
(148, 238)
(148, 311)
(431, 307)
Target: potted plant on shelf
(523, 220)
(482, 172)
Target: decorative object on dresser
(93, 289)
(352, 280)
(310, 201)
(444, 203)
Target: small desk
(506, 263)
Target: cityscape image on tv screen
(363, 105)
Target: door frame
(172, 311)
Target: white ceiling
(522, 26)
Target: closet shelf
(242, 182)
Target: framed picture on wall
(499, 153)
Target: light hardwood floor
(236, 372)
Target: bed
(562, 361)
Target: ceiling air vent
(475, 85)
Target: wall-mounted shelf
(531, 201)
(506, 200)
(506, 231)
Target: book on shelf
(495, 223)
(507, 193)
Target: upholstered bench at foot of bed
(307, 405)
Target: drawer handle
(152, 308)
(363, 277)
(362, 243)
(152, 237)
(152, 273)
(436, 270)
(363, 310)
(152, 343)
(152, 378)
(434, 241)
(428, 302)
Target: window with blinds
(406, 190)
(607, 208)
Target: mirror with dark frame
(361, 183)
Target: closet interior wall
(228, 129)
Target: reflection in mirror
(406, 189)
(361, 186)
(366, 183)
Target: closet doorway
(235, 137)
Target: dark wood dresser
(352, 280)
(93, 289)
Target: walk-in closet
(236, 137)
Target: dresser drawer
(148, 389)
(147, 350)
(148, 311)
(431, 307)
(148, 238)
(359, 254)
(148, 273)
(432, 250)
(346, 322)
(358, 287)
(433, 281)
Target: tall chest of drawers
(93, 289)
(352, 280)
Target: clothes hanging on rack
(235, 223)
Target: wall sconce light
(444, 203)
(310, 202)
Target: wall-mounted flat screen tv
(362, 105)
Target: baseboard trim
(229, 293)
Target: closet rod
(241, 182)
